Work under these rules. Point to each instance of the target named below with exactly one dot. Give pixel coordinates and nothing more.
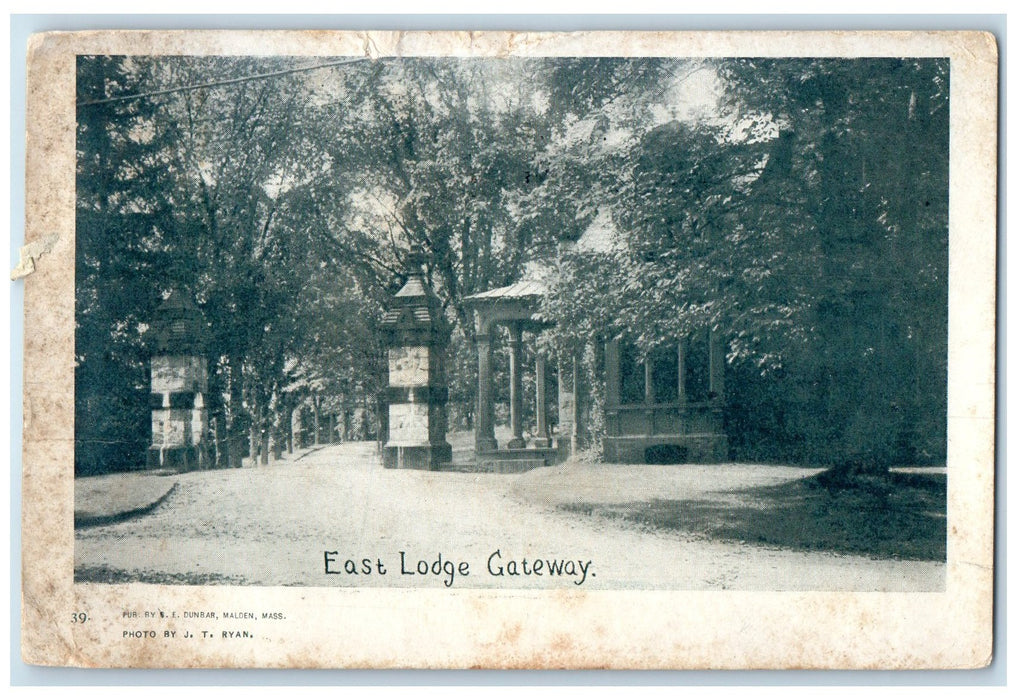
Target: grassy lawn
(897, 516)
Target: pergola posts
(543, 439)
(516, 307)
(678, 422)
(516, 386)
(485, 441)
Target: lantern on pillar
(417, 338)
(179, 386)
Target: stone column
(516, 386)
(485, 441)
(543, 439)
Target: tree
(809, 221)
(120, 153)
(869, 156)
(286, 199)
(220, 186)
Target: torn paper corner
(29, 254)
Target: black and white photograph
(518, 323)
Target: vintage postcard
(510, 350)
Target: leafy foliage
(797, 205)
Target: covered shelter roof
(518, 302)
(523, 289)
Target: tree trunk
(315, 401)
(254, 446)
(235, 429)
(265, 432)
(217, 442)
(290, 414)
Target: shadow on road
(899, 516)
(105, 574)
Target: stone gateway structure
(179, 386)
(417, 394)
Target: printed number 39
(79, 617)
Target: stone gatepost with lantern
(417, 337)
(179, 387)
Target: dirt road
(273, 525)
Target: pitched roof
(524, 289)
(414, 287)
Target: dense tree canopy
(797, 206)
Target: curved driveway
(272, 525)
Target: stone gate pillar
(417, 394)
(179, 386)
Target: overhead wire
(226, 81)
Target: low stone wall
(666, 449)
